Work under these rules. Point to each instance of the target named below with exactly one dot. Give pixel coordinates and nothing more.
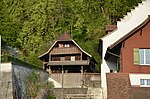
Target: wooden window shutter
(136, 56)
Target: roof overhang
(130, 33)
(64, 40)
(119, 41)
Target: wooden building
(67, 56)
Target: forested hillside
(31, 26)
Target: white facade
(135, 79)
(127, 24)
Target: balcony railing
(83, 62)
(65, 50)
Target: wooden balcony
(83, 62)
(65, 50)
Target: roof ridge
(64, 36)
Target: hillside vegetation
(31, 26)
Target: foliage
(35, 83)
(50, 97)
(7, 58)
(33, 59)
(30, 25)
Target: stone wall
(19, 78)
(12, 82)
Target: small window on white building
(72, 58)
(148, 82)
(67, 45)
(142, 82)
(145, 82)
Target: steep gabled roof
(131, 32)
(65, 37)
(65, 40)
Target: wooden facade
(65, 55)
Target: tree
(29, 24)
(35, 84)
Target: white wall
(6, 67)
(6, 88)
(135, 78)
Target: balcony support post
(50, 70)
(62, 82)
(82, 80)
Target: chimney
(110, 28)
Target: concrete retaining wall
(12, 81)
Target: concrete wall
(61, 92)
(13, 79)
(6, 86)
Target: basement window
(145, 82)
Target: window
(55, 58)
(62, 58)
(60, 46)
(67, 58)
(67, 45)
(141, 56)
(72, 58)
(142, 82)
(145, 82)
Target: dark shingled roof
(110, 28)
(65, 36)
(119, 87)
